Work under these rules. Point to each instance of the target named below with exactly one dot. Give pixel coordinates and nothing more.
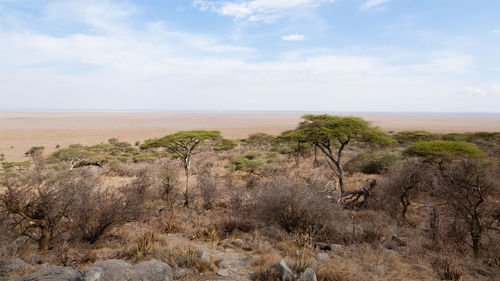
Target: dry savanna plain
(200, 196)
(21, 130)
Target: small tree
(183, 145)
(39, 199)
(468, 189)
(440, 151)
(258, 140)
(332, 134)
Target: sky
(251, 55)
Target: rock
(223, 272)
(204, 257)
(108, 270)
(336, 248)
(398, 241)
(285, 273)
(308, 275)
(152, 270)
(246, 261)
(116, 270)
(322, 257)
(11, 265)
(54, 273)
(179, 273)
(238, 243)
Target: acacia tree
(332, 134)
(442, 152)
(182, 145)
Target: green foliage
(290, 143)
(19, 165)
(183, 141)
(225, 145)
(260, 140)
(335, 130)
(255, 162)
(372, 163)
(145, 157)
(35, 151)
(436, 150)
(408, 137)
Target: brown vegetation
(402, 218)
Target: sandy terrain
(21, 130)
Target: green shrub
(435, 150)
(372, 163)
(408, 137)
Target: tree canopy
(327, 132)
(438, 150)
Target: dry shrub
(448, 269)
(144, 244)
(100, 210)
(167, 180)
(298, 208)
(208, 187)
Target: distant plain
(21, 130)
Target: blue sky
(268, 55)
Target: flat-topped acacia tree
(331, 134)
(182, 145)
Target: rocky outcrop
(109, 270)
(54, 273)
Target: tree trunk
(44, 242)
(341, 178)
(476, 243)
(187, 163)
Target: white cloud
(256, 10)
(484, 90)
(294, 37)
(370, 4)
(117, 66)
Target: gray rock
(308, 275)
(152, 270)
(11, 265)
(322, 257)
(54, 273)
(118, 270)
(204, 257)
(246, 261)
(237, 243)
(223, 272)
(179, 272)
(109, 270)
(336, 248)
(286, 274)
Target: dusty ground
(21, 130)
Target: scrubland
(415, 206)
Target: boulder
(204, 257)
(285, 273)
(54, 273)
(152, 270)
(8, 266)
(116, 270)
(308, 275)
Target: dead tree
(352, 198)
